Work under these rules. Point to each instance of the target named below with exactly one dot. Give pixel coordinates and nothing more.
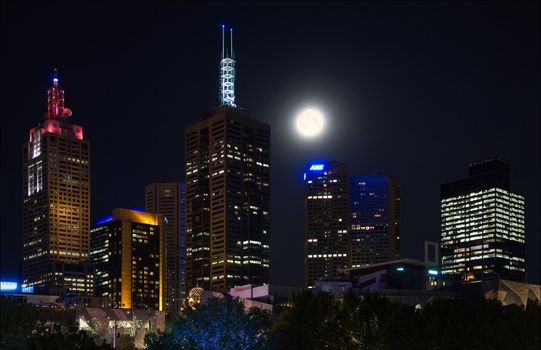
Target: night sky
(417, 90)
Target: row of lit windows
(335, 255)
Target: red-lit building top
(56, 111)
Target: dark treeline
(28, 327)
(310, 321)
(373, 322)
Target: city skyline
(102, 97)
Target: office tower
(56, 203)
(127, 251)
(227, 194)
(374, 219)
(326, 234)
(482, 225)
(164, 198)
(182, 241)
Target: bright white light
(310, 122)
(8, 286)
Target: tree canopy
(311, 321)
(374, 322)
(221, 324)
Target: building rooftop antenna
(227, 73)
(223, 29)
(232, 53)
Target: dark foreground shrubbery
(27, 327)
(319, 321)
(312, 322)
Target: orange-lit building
(56, 203)
(127, 251)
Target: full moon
(310, 122)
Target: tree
(46, 338)
(310, 323)
(24, 326)
(221, 324)
(319, 321)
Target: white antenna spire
(227, 73)
(232, 54)
(223, 28)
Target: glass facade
(127, 251)
(164, 198)
(326, 234)
(374, 219)
(482, 227)
(227, 201)
(56, 208)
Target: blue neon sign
(8, 286)
(317, 167)
(433, 272)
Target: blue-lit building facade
(326, 234)
(374, 203)
(482, 225)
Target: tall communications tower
(227, 231)
(227, 72)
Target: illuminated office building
(165, 198)
(374, 219)
(482, 225)
(127, 251)
(326, 233)
(182, 241)
(227, 194)
(56, 203)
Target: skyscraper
(374, 219)
(56, 202)
(326, 233)
(127, 251)
(165, 198)
(227, 193)
(182, 241)
(482, 225)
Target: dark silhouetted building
(56, 203)
(165, 198)
(482, 225)
(127, 251)
(374, 204)
(326, 234)
(408, 281)
(227, 194)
